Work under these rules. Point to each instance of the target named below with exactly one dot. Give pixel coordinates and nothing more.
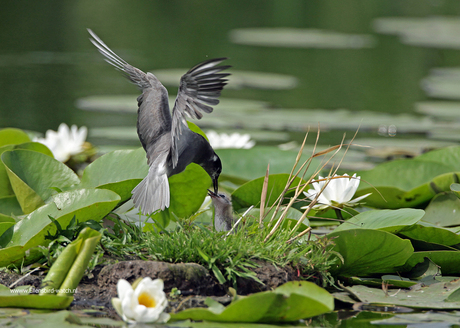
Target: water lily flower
(338, 192)
(145, 303)
(65, 142)
(234, 140)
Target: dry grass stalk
(263, 197)
(301, 187)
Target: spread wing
(198, 91)
(154, 117)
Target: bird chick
(223, 211)
(169, 143)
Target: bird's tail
(152, 193)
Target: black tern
(169, 143)
(223, 211)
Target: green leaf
(432, 234)
(119, 171)
(248, 164)
(368, 252)
(426, 297)
(35, 301)
(250, 193)
(9, 205)
(85, 204)
(443, 210)
(11, 136)
(90, 239)
(188, 190)
(5, 185)
(33, 174)
(391, 221)
(449, 156)
(290, 302)
(449, 261)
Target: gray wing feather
(154, 117)
(199, 88)
(134, 74)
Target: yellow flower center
(147, 300)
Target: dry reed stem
(263, 197)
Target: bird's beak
(216, 185)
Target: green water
(47, 62)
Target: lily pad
(35, 301)
(238, 79)
(407, 183)
(300, 38)
(431, 31)
(391, 221)
(128, 104)
(367, 252)
(119, 171)
(426, 297)
(449, 261)
(290, 302)
(250, 193)
(33, 176)
(12, 136)
(433, 234)
(5, 185)
(84, 204)
(248, 164)
(9, 205)
(443, 210)
(439, 109)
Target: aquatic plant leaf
(238, 79)
(434, 319)
(391, 280)
(33, 175)
(366, 252)
(12, 136)
(128, 104)
(391, 221)
(9, 205)
(84, 204)
(89, 240)
(443, 210)
(290, 302)
(119, 171)
(5, 223)
(35, 301)
(5, 185)
(188, 190)
(426, 297)
(448, 261)
(292, 216)
(300, 38)
(248, 164)
(431, 233)
(405, 183)
(250, 193)
(447, 156)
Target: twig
(14, 283)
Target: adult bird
(169, 143)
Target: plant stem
(338, 212)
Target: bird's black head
(214, 172)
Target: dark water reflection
(47, 62)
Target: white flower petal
(65, 142)
(360, 198)
(234, 140)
